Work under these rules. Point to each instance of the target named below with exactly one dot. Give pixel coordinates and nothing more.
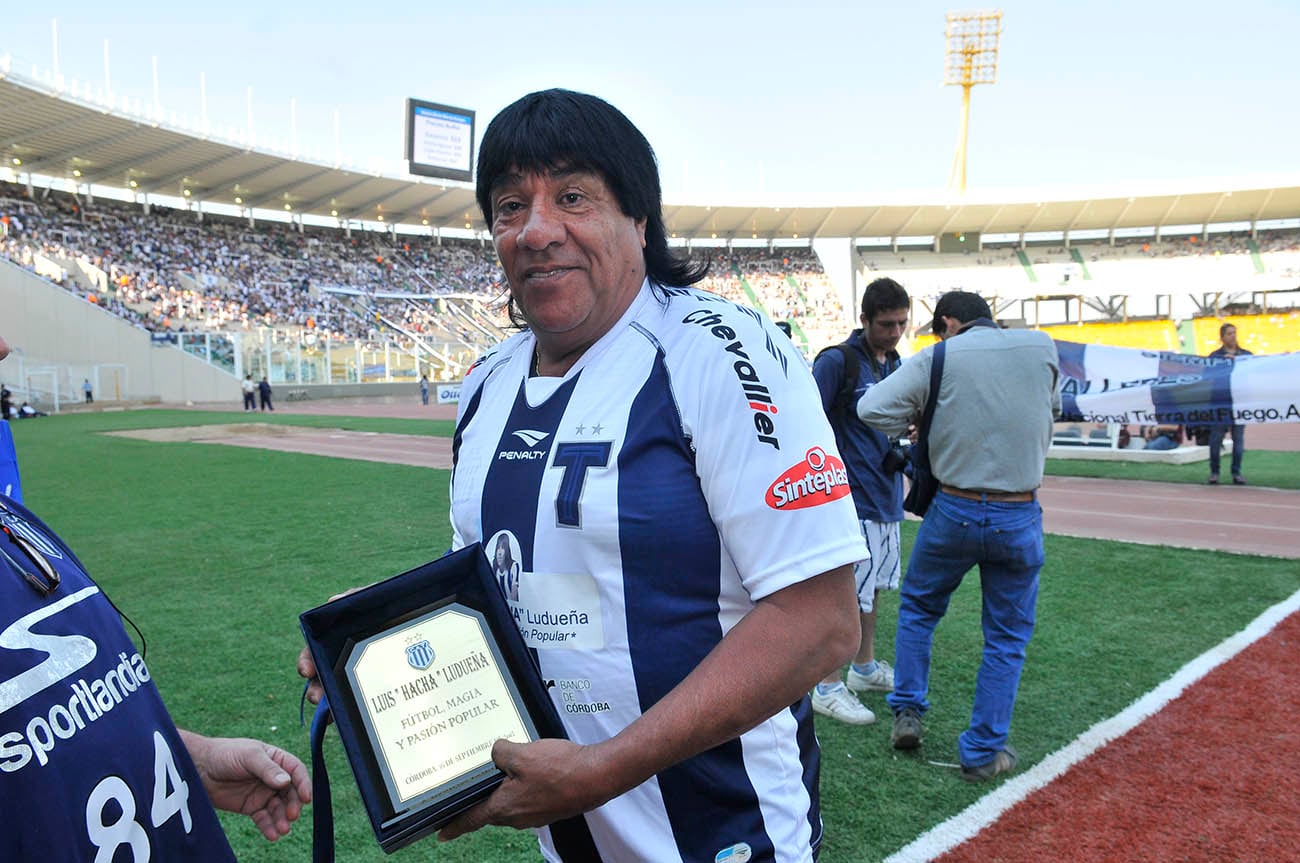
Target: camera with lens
(897, 456)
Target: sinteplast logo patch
(815, 480)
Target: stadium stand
(362, 304)
(1276, 333)
(787, 283)
(1149, 335)
(166, 271)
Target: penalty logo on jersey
(815, 480)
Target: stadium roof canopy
(54, 134)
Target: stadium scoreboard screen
(439, 140)
(959, 241)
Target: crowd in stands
(165, 270)
(1170, 277)
(1179, 246)
(786, 283)
(1276, 245)
(168, 271)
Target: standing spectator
(988, 440)
(86, 388)
(843, 373)
(6, 402)
(784, 326)
(264, 394)
(249, 388)
(9, 480)
(424, 389)
(1228, 348)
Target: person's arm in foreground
(252, 778)
(770, 660)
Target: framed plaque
(424, 672)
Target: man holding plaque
(659, 458)
(669, 488)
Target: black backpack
(848, 386)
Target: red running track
(1211, 777)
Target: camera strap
(924, 484)
(936, 377)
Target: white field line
(1166, 519)
(1290, 502)
(949, 834)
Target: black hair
(553, 129)
(1223, 328)
(962, 305)
(883, 295)
(503, 540)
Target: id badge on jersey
(559, 611)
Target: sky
(812, 102)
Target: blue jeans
(1238, 447)
(1006, 541)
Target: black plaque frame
(332, 630)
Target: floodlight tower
(971, 58)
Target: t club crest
(420, 655)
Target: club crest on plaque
(421, 766)
(420, 655)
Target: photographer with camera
(985, 512)
(875, 466)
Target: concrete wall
(52, 327)
(410, 389)
(839, 260)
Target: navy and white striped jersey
(681, 471)
(91, 765)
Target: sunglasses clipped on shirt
(45, 579)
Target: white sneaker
(840, 704)
(880, 680)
